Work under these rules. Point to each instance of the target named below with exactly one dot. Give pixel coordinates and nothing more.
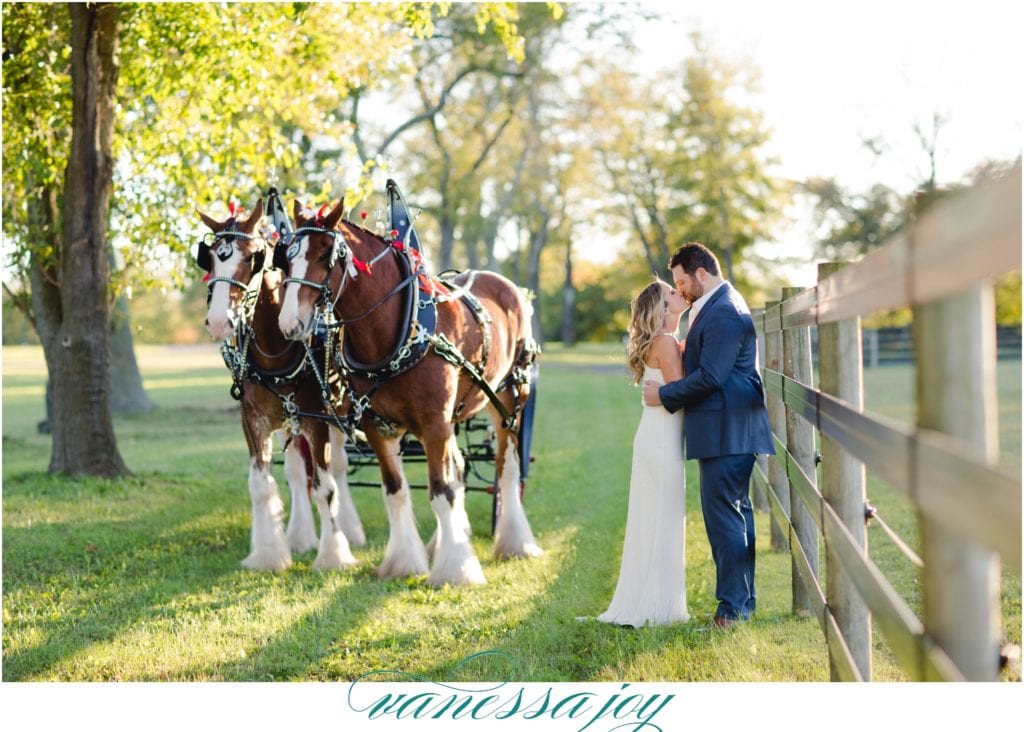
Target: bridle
(340, 253)
(222, 245)
(288, 249)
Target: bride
(652, 576)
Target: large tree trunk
(78, 353)
(127, 395)
(538, 239)
(472, 244)
(446, 224)
(568, 300)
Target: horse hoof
(302, 544)
(462, 579)
(267, 560)
(460, 567)
(523, 552)
(321, 564)
(392, 570)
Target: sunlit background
(538, 167)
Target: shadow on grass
(300, 652)
(70, 585)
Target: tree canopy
(120, 119)
(213, 101)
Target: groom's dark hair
(693, 255)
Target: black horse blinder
(223, 249)
(281, 255)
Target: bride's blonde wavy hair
(647, 319)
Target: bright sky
(836, 72)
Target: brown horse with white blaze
(244, 304)
(366, 282)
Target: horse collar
(418, 323)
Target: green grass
(139, 579)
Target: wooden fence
(969, 510)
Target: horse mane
(360, 227)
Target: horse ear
(296, 210)
(331, 220)
(214, 225)
(257, 213)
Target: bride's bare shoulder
(663, 348)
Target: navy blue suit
(726, 425)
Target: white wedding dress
(652, 575)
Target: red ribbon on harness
(428, 286)
(361, 265)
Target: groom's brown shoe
(722, 623)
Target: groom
(725, 419)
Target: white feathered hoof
(457, 566)
(408, 563)
(346, 513)
(301, 532)
(268, 558)
(405, 556)
(268, 545)
(432, 544)
(454, 561)
(516, 550)
(334, 555)
(301, 538)
(512, 535)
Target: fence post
(955, 351)
(777, 416)
(757, 314)
(872, 348)
(796, 355)
(843, 483)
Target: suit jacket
(722, 391)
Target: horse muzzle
(294, 328)
(223, 326)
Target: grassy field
(139, 579)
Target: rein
(398, 288)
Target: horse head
(233, 254)
(309, 258)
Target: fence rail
(970, 510)
(927, 466)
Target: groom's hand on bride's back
(651, 396)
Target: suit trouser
(729, 520)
